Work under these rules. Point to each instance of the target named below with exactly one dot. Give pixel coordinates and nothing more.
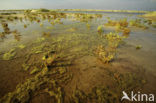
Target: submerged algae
(9, 55)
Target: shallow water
(75, 43)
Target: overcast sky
(80, 4)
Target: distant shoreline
(129, 11)
(123, 11)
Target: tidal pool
(75, 57)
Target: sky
(79, 4)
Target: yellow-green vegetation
(57, 94)
(62, 70)
(113, 39)
(49, 27)
(121, 23)
(138, 47)
(151, 15)
(16, 35)
(46, 34)
(46, 60)
(25, 26)
(24, 91)
(2, 35)
(41, 25)
(103, 94)
(85, 17)
(49, 58)
(137, 23)
(9, 55)
(71, 29)
(88, 26)
(40, 39)
(120, 26)
(37, 49)
(154, 25)
(21, 46)
(126, 32)
(107, 53)
(25, 67)
(35, 70)
(104, 55)
(6, 28)
(100, 29)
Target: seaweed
(9, 55)
(105, 94)
(100, 29)
(126, 32)
(40, 39)
(5, 28)
(2, 35)
(154, 25)
(23, 91)
(57, 94)
(97, 95)
(16, 35)
(35, 70)
(138, 47)
(37, 49)
(41, 24)
(88, 26)
(46, 34)
(104, 55)
(21, 46)
(25, 67)
(49, 58)
(71, 29)
(121, 23)
(49, 27)
(25, 26)
(107, 53)
(137, 23)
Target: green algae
(97, 95)
(104, 55)
(108, 52)
(23, 91)
(66, 42)
(137, 23)
(71, 30)
(25, 26)
(57, 94)
(35, 70)
(37, 49)
(46, 34)
(138, 47)
(49, 27)
(88, 26)
(100, 29)
(21, 46)
(25, 67)
(105, 94)
(40, 40)
(154, 25)
(62, 70)
(2, 35)
(9, 55)
(41, 25)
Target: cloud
(79, 4)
